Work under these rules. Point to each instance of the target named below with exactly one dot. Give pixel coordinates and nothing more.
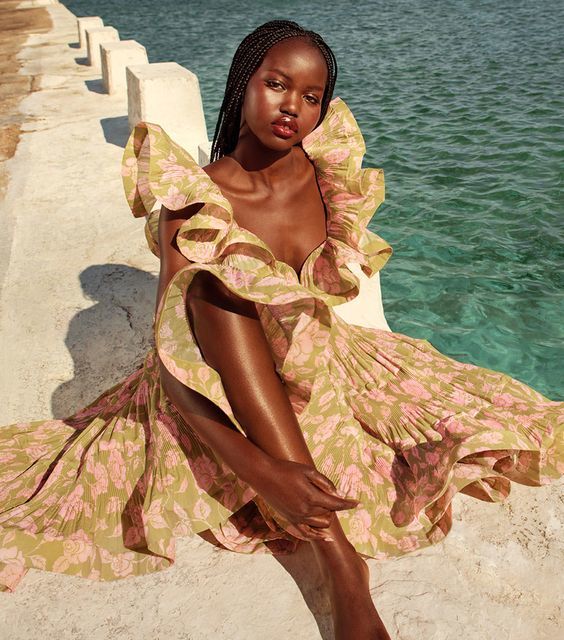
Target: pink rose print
(415, 389)
(238, 278)
(6, 456)
(461, 397)
(132, 536)
(174, 199)
(205, 471)
(359, 526)
(117, 468)
(503, 400)
(77, 548)
(154, 516)
(433, 458)
(172, 459)
(201, 509)
(337, 155)
(409, 543)
(73, 505)
(229, 499)
(350, 479)
(11, 555)
(122, 564)
(100, 484)
(172, 171)
(327, 429)
(491, 438)
(369, 402)
(113, 505)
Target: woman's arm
(212, 425)
(232, 341)
(274, 459)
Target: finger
(321, 522)
(312, 508)
(303, 532)
(322, 482)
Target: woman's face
(282, 103)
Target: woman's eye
(274, 84)
(312, 99)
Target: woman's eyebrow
(310, 87)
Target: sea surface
(461, 102)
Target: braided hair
(246, 61)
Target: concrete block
(366, 309)
(92, 22)
(167, 94)
(204, 153)
(96, 37)
(116, 56)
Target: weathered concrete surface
(94, 38)
(87, 22)
(15, 27)
(116, 56)
(76, 310)
(146, 86)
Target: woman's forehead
(296, 54)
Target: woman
(261, 419)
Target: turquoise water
(461, 102)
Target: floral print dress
(389, 419)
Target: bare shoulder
(225, 172)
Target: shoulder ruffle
(351, 194)
(157, 171)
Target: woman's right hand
(304, 498)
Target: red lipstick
(284, 127)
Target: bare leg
(347, 578)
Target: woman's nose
(289, 105)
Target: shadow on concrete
(116, 130)
(74, 45)
(304, 569)
(82, 61)
(96, 86)
(108, 340)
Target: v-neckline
(229, 208)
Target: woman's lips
(284, 127)
(282, 131)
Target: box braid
(246, 61)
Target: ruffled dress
(389, 419)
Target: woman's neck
(251, 155)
